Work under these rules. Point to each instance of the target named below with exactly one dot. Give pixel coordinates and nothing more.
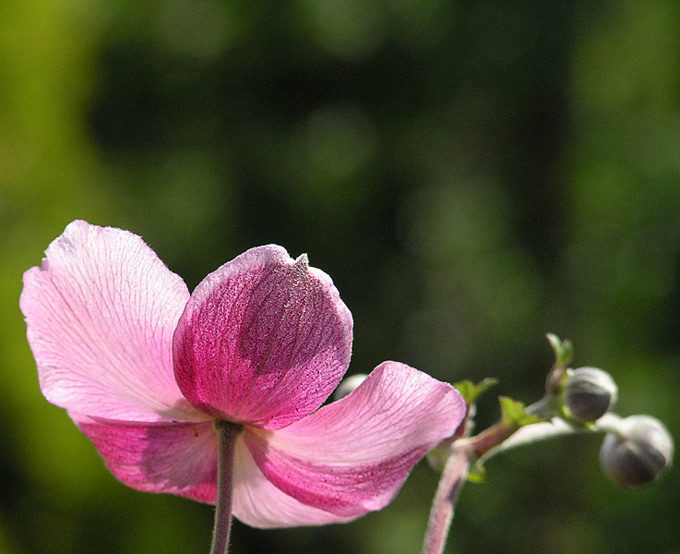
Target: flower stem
(444, 503)
(227, 433)
(556, 427)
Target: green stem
(227, 434)
(496, 435)
(444, 503)
(556, 427)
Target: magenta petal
(176, 458)
(263, 340)
(352, 456)
(101, 312)
(258, 503)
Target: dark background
(471, 174)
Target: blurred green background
(472, 174)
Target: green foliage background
(472, 174)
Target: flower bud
(637, 451)
(348, 385)
(589, 393)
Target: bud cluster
(635, 450)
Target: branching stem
(497, 438)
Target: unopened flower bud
(589, 393)
(637, 451)
(348, 385)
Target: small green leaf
(471, 391)
(557, 376)
(477, 473)
(513, 413)
(563, 349)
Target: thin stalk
(556, 427)
(227, 433)
(444, 503)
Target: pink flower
(144, 369)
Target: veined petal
(351, 456)
(100, 312)
(176, 458)
(258, 503)
(263, 340)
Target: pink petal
(352, 456)
(258, 503)
(176, 458)
(100, 313)
(263, 340)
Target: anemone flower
(149, 373)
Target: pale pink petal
(352, 456)
(263, 340)
(176, 458)
(258, 503)
(101, 312)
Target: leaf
(513, 413)
(471, 391)
(563, 349)
(477, 473)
